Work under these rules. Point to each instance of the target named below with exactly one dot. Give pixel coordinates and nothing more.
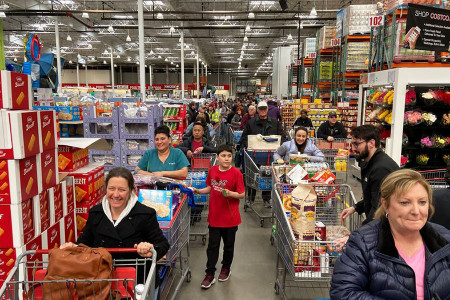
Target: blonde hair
(399, 183)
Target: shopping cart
(202, 161)
(309, 264)
(26, 279)
(435, 178)
(237, 135)
(338, 163)
(337, 143)
(259, 179)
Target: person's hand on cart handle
(330, 138)
(341, 242)
(199, 150)
(189, 154)
(346, 213)
(67, 245)
(280, 161)
(143, 249)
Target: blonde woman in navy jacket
(300, 143)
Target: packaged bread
(303, 212)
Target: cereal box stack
(31, 194)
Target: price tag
(312, 55)
(298, 62)
(288, 67)
(335, 42)
(376, 20)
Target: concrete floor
(254, 267)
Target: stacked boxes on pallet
(174, 117)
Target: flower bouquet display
(446, 158)
(438, 141)
(445, 119)
(422, 159)
(426, 142)
(413, 118)
(403, 160)
(429, 118)
(433, 96)
(410, 97)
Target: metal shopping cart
(258, 178)
(435, 178)
(309, 264)
(337, 156)
(337, 143)
(202, 161)
(26, 279)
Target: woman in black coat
(120, 221)
(399, 255)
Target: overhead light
(85, 15)
(243, 47)
(145, 66)
(2, 14)
(69, 38)
(15, 58)
(128, 38)
(200, 60)
(192, 52)
(251, 15)
(89, 46)
(187, 46)
(255, 74)
(301, 25)
(247, 28)
(242, 52)
(128, 58)
(105, 52)
(118, 56)
(115, 66)
(177, 65)
(83, 66)
(166, 59)
(151, 52)
(245, 39)
(104, 62)
(110, 29)
(137, 62)
(313, 13)
(159, 56)
(70, 61)
(172, 29)
(171, 62)
(289, 37)
(159, 16)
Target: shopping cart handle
(110, 250)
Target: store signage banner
(427, 28)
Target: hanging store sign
(335, 42)
(427, 28)
(376, 20)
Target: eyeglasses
(333, 117)
(356, 144)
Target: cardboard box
(35, 244)
(48, 176)
(68, 195)
(84, 183)
(41, 204)
(71, 159)
(52, 237)
(7, 261)
(68, 227)
(56, 204)
(20, 134)
(17, 225)
(19, 180)
(47, 128)
(16, 90)
(80, 219)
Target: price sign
(335, 42)
(312, 55)
(298, 63)
(288, 67)
(376, 20)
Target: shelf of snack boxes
(174, 116)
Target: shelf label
(298, 63)
(376, 20)
(311, 55)
(335, 42)
(288, 67)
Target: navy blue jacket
(370, 267)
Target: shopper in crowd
(213, 114)
(263, 125)
(299, 144)
(209, 133)
(230, 115)
(441, 200)
(274, 112)
(375, 166)
(331, 129)
(192, 112)
(225, 184)
(202, 112)
(163, 160)
(237, 118)
(197, 143)
(400, 255)
(250, 115)
(121, 221)
(303, 120)
(222, 111)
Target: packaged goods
(17, 226)
(48, 130)
(324, 176)
(326, 34)
(161, 201)
(16, 90)
(41, 204)
(303, 212)
(48, 167)
(71, 158)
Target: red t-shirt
(196, 145)
(224, 211)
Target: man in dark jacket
(441, 202)
(331, 129)
(274, 112)
(303, 120)
(197, 143)
(265, 126)
(375, 166)
(192, 113)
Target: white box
(16, 92)
(17, 224)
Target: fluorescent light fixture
(172, 29)
(255, 74)
(301, 25)
(129, 58)
(69, 38)
(242, 52)
(159, 56)
(166, 59)
(128, 38)
(171, 62)
(245, 39)
(251, 15)
(151, 52)
(85, 15)
(15, 58)
(313, 13)
(137, 62)
(115, 66)
(104, 62)
(247, 28)
(159, 16)
(118, 56)
(70, 61)
(105, 52)
(289, 37)
(89, 46)
(110, 29)
(177, 66)
(2, 14)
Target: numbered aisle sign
(376, 20)
(335, 42)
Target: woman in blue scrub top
(164, 160)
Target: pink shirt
(417, 263)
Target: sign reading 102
(376, 20)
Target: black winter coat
(192, 114)
(207, 145)
(255, 126)
(303, 122)
(337, 131)
(139, 226)
(441, 202)
(370, 267)
(372, 175)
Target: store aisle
(253, 270)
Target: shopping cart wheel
(277, 289)
(272, 240)
(188, 276)
(262, 222)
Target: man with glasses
(331, 129)
(375, 166)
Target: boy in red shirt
(226, 187)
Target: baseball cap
(262, 104)
(332, 114)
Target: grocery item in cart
(160, 201)
(295, 159)
(303, 212)
(324, 176)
